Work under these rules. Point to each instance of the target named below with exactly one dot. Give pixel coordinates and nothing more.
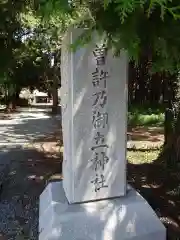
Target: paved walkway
(30, 167)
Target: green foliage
(125, 8)
(26, 40)
(141, 33)
(144, 28)
(9, 25)
(141, 27)
(142, 116)
(146, 120)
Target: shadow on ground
(161, 189)
(19, 199)
(153, 134)
(30, 126)
(31, 168)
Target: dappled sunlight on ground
(146, 133)
(32, 141)
(142, 156)
(29, 172)
(161, 189)
(27, 126)
(34, 160)
(158, 185)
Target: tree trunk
(56, 78)
(11, 104)
(12, 98)
(5, 95)
(155, 89)
(170, 100)
(170, 154)
(131, 82)
(55, 96)
(141, 91)
(168, 124)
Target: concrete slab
(122, 218)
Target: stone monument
(93, 202)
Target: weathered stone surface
(94, 108)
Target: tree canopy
(141, 27)
(29, 29)
(32, 31)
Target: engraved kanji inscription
(99, 182)
(100, 98)
(99, 141)
(103, 77)
(100, 53)
(95, 78)
(99, 78)
(99, 120)
(99, 161)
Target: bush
(139, 116)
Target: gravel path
(29, 169)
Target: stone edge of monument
(122, 218)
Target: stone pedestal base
(121, 218)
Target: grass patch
(142, 116)
(141, 157)
(137, 119)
